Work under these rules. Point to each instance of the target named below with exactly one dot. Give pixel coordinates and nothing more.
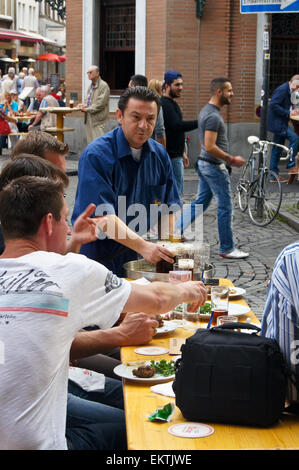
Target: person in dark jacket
(175, 127)
(280, 111)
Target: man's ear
(47, 223)
(119, 115)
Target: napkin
(164, 389)
(89, 380)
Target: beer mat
(175, 345)
(191, 430)
(151, 351)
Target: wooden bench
(17, 133)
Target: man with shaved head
(96, 105)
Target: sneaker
(235, 254)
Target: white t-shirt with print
(45, 299)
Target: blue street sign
(269, 6)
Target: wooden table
(143, 434)
(60, 112)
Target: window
(117, 43)
(284, 59)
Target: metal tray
(142, 268)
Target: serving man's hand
(154, 253)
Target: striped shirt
(281, 314)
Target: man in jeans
(175, 127)
(213, 174)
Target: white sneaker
(235, 254)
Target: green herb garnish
(206, 308)
(163, 367)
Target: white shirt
(45, 299)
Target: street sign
(269, 6)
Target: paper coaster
(151, 351)
(191, 430)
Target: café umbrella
(49, 57)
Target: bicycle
(254, 185)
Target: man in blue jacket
(125, 172)
(280, 110)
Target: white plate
(233, 309)
(167, 327)
(238, 292)
(126, 372)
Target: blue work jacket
(114, 181)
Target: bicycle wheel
(243, 188)
(265, 198)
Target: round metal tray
(142, 268)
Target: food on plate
(144, 372)
(136, 363)
(160, 320)
(163, 367)
(206, 308)
(232, 291)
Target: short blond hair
(156, 86)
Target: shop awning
(10, 34)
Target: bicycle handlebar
(263, 144)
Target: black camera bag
(231, 377)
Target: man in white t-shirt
(46, 298)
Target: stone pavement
(263, 243)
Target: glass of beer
(219, 303)
(177, 276)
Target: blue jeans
(178, 170)
(95, 420)
(213, 182)
(293, 139)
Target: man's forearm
(89, 343)
(117, 230)
(37, 119)
(216, 152)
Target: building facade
(29, 28)
(201, 40)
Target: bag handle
(234, 326)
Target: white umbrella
(7, 59)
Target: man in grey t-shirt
(212, 170)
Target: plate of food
(146, 371)
(234, 292)
(166, 326)
(205, 310)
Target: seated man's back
(281, 314)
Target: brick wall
(156, 17)
(228, 48)
(74, 47)
(222, 42)
(172, 42)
